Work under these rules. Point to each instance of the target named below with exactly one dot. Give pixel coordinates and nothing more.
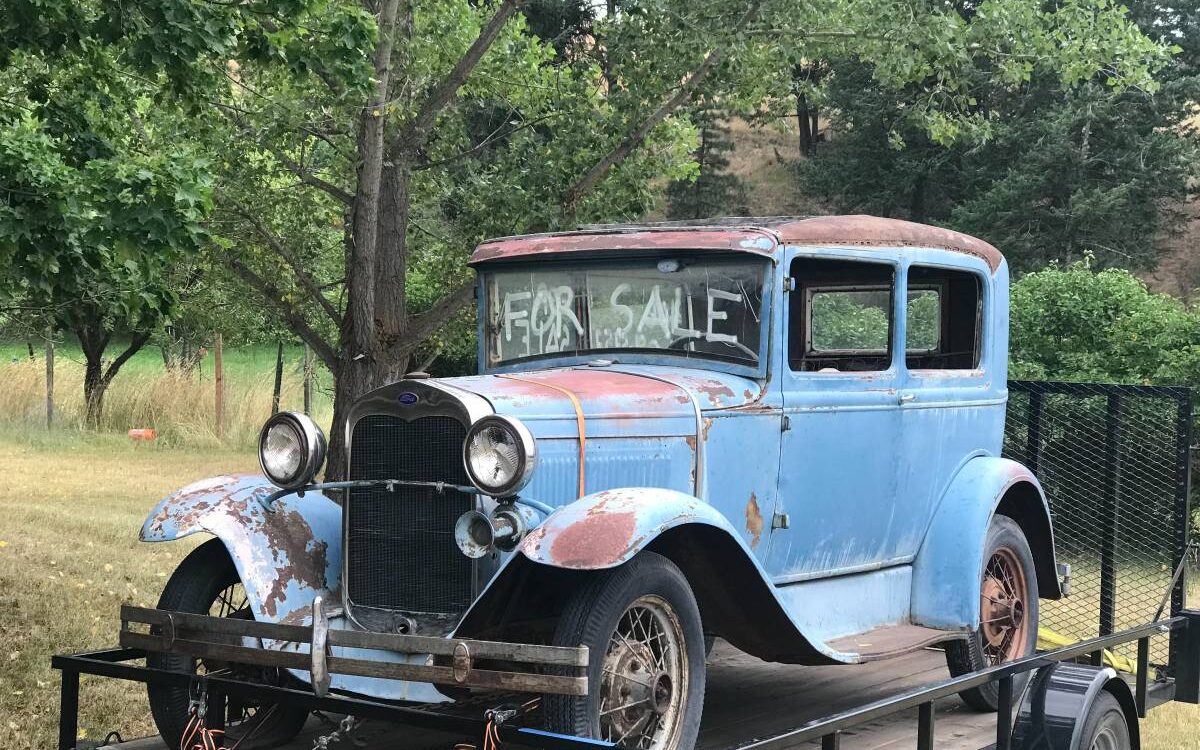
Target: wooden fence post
(49, 383)
(219, 375)
(278, 379)
(308, 378)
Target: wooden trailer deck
(748, 698)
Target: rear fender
(946, 571)
(285, 557)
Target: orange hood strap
(579, 420)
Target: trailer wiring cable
(495, 717)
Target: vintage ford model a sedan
(785, 433)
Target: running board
(891, 640)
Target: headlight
(291, 450)
(499, 454)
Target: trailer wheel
(206, 582)
(1105, 727)
(1008, 626)
(642, 627)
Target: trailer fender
(286, 556)
(945, 588)
(606, 529)
(1058, 701)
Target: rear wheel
(642, 627)
(206, 582)
(1008, 621)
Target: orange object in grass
(142, 433)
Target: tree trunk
(93, 339)
(804, 122)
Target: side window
(841, 316)
(943, 320)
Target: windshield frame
(630, 356)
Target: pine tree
(715, 191)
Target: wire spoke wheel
(207, 582)
(1004, 603)
(645, 677)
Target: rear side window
(943, 319)
(841, 316)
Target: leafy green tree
(1048, 169)
(95, 210)
(1078, 323)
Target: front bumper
(451, 661)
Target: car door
(837, 474)
(952, 399)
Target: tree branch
(290, 314)
(494, 136)
(308, 178)
(310, 285)
(135, 345)
(626, 147)
(427, 323)
(416, 133)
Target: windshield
(685, 307)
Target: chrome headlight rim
(527, 455)
(313, 449)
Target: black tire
(1105, 727)
(196, 586)
(1004, 538)
(651, 586)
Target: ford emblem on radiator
(407, 398)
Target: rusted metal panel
(763, 238)
(756, 241)
(284, 557)
(873, 231)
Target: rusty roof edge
(600, 230)
(481, 255)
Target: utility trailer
(1115, 464)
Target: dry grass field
(70, 509)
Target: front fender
(608, 528)
(946, 571)
(285, 557)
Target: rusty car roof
(761, 236)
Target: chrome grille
(400, 547)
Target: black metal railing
(1113, 461)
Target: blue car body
(814, 509)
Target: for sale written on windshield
(710, 309)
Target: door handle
(906, 398)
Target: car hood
(615, 400)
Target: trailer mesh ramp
(1113, 461)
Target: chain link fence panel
(1113, 461)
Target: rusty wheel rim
(645, 677)
(1004, 608)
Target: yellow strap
(579, 420)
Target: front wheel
(1008, 620)
(207, 583)
(642, 627)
